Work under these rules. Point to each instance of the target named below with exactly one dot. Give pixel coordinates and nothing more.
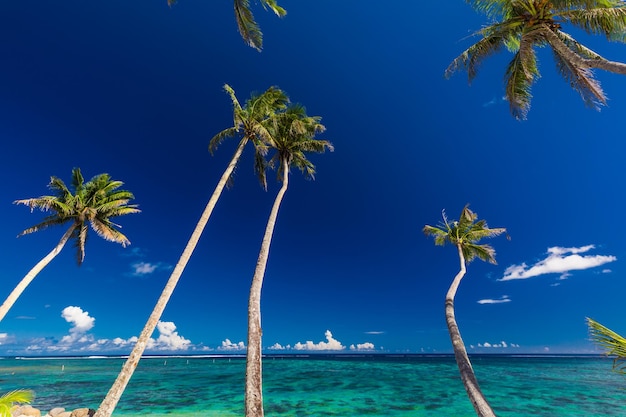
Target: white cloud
(143, 268)
(502, 345)
(330, 344)
(81, 322)
(363, 346)
(375, 332)
(228, 345)
(606, 271)
(503, 299)
(559, 261)
(169, 339)
(278, 346)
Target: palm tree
(10, 398)
(249, 121)
(522, 25)
(612, 343)
(248, 27)
(465, 235)
(292, 136)
(94, 202)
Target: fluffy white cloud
(81, 323)
(502, 344)
(503, 299)
(362, 346)
(143, 268)
(228, 345)
(330, 344)
(278, 346)
(168, 339)
(559, 261)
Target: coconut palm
(612, 343)
(465, 235)
(292, 135)
(522, 25)
(93, 203)
(249, 122)
(248, 27)
(8, 400)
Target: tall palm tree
(11, 398)
(612, 343)
(248, 27)
(522, 25)
(249, 121)
(292, 135)
(465, 235)
(93, 203)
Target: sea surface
(327, 385)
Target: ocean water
(327, 385)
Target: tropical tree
(248, 27)
(8, 400)
(612, 343)
(465, 235)
(292, 135)
(93, 203)
(522, 25)
(249, 122)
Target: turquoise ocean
(327, 385)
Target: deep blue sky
(134, 89)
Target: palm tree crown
(251, 121)
(522, 25)
(92, 203)
(466, 232)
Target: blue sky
(135, 90)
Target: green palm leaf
(14, 397)
(612, 343)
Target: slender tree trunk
(30, 276)
(570, 55)
(460, 354)
(115, 393)
(254, 384)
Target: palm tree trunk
(115, 393)
(254, 384)
(565, 51)
(460, 354)
(30, 276)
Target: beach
(328, 385)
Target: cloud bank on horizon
(80, 340)
(559, 261)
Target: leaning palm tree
(522, 25)
(8, 400)
(292, 135)
(612, 343)
(92, 203)
(248, 27)
(465, 235)
(249, 122)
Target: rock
(64, 414)
(83, 412)
(26, 410)
(56, 411)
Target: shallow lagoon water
(327, 385)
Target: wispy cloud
(146, 268)
(559, 261)
(503, 299)
(375, 332)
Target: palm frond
(491, 8)
(248, 27)
(483, 252)
(440, 235)
(610, 22)
(518, 85)
(14, 397)
(576, 46)
(612, 343)
(273, 5)
(471, 58)
(581, 80)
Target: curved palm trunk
(30, 276)
(564, 50)
(460, 354)
(115, 393)
(254, 385)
